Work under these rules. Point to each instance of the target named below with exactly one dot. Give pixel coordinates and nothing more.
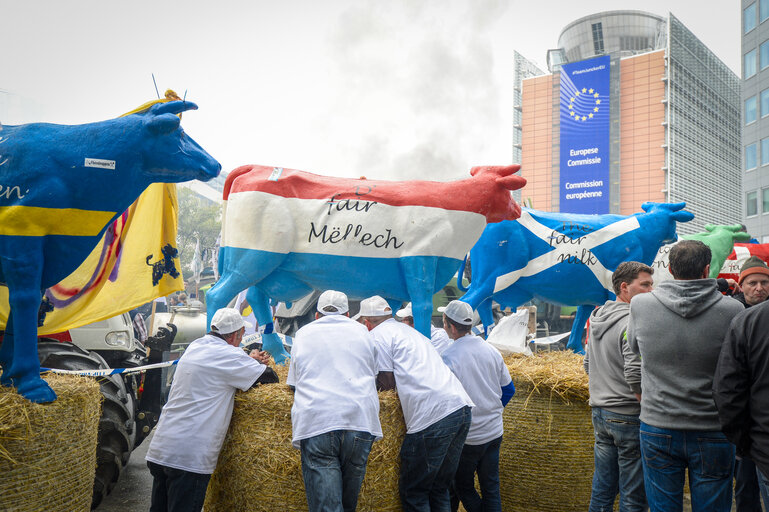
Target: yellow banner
(132, 264)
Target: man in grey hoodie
(678, 330)
(615, 391)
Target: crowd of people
(677, 375)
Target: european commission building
(634, 108)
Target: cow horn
(511, 182)
(172, 107)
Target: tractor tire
(116, 424)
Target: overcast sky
(391, 89)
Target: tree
(198, 217)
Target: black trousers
(176, 490)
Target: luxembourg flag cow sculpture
(60, 188)
(286, 233)
(564, 258)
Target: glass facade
(765, 200)
(765, 99)
(750, 110)
(749, 65)
(751, 203)
(763, 10)
(750, 157)
(522, 69)
(765, 151)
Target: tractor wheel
(116, 424)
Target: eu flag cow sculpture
(60, 187)
(286, 233)
(564, 258)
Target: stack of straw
(48, 451)
(546, 459)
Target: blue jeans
(333, 467)
(763, 484)
(747, 496)
(483, 459)
(666, 455)
(618, 466)
(176, 490)
(429, 460)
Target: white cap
(375, 306)
(332, 302)
(228, 320)
(460, 312)
(405, 312)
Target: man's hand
(260, 355)
(734, 285)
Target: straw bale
(259, 470)
(546, 459)
(48, 451)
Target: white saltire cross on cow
(564, 258)
(286, 233)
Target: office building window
(749, 17)
(765, 200)
(750, 110)
(765, 98)
(751, 203)
(749, 66)
(750, 157)
(598, 35)
(763, 10)
(765, 151)
(764, 54)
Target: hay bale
(259, 470)
(546, 459)
(48, 451)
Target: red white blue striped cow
(60, 188)
(738, 257)
(286, 233)
(564, 258)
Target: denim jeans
(666, 455)
(176, 490)
(333, 467)
(483, 459)
(747, 496)
(618, 466)
(763, 484)
(429, 460)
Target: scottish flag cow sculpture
(564, 258)
(286, 233)
(60, 187)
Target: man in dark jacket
(741, 383)
(615, 394)
(678, 330)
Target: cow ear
(165, 123)
(647, 206)
(710, 227)
(172, 107)
(682, 216)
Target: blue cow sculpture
(563, 258)
(60, 187)
(286, 233)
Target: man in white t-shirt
(438, 336)
(435, 407)
(183, 453)
(484, 375)
(335, 416)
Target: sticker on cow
(286, 233)
(564, 258)
(63, 186)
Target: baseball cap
(375, 306)
(228, 320)
(753, 265)
(405, 312)
(460, 312)
(332, 302)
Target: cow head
(670, 212)
(170, 156)
(735, 231)
(500, 205)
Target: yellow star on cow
(591, 90)
(571, 99)
(590, 115)
(584, 118)
(595, 95)
(595, 109)
(576, 93)
(597, 102)
(584, 89)
(571, 106)
(571, 113)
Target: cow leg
(487, 317)
(419, 273)
(575, 338)
(271, 342)
(21, 367)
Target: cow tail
(461, 274)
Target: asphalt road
(134, 488)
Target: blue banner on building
(585, 141)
